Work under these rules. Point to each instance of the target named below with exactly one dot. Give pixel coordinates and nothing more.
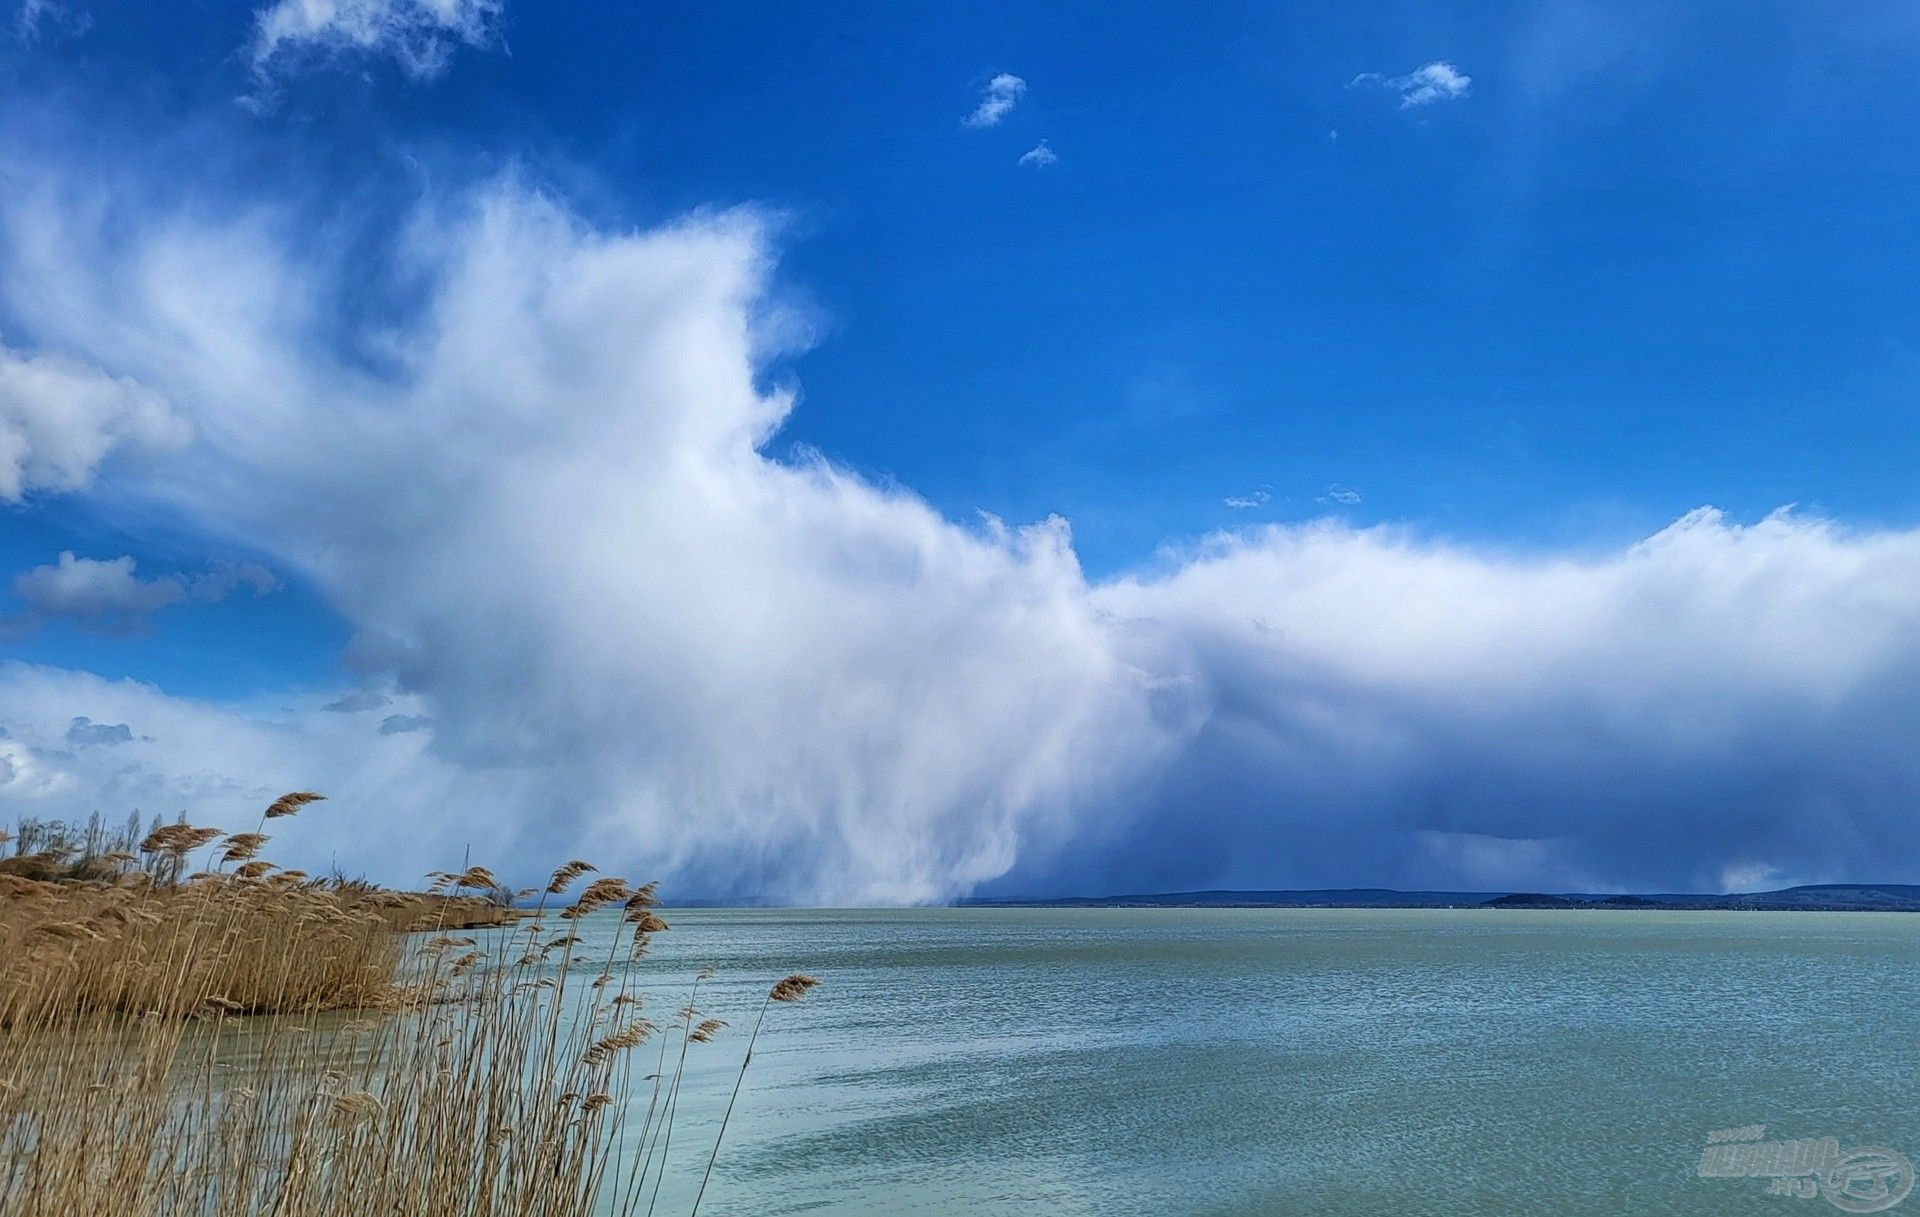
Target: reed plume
(243, 847)
(564, 877)
(290, 804)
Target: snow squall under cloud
(616, 626)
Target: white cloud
(548, 513)
(1642, 718)
(997, 101)
(224, 763)
(60, 418)
(419, 34)
(108, 595)
(835, 692)
(24, 779)
(1342, 496)
(1039, 156)
(1426, 84)
(1254, 498)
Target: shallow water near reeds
(1124, 1061)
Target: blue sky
(1513, 288)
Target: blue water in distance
(1226, 1061)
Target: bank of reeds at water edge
(244, 1041)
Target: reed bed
(70, 952)
(246, 1041)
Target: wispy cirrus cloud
(997, 101)
(33, 16)
(1425, 85)
(419, 35)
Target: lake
(1171, 1061)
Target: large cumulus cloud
(1716, 706)
(525, 456)
(542, 502)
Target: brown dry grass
(68, 951)
(482, 1074)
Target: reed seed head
(792, 988)
(290, 804)
(598, 894)
(243, 846)
(564, 877)
(354, 1106)
(476, 877)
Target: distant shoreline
(1809, 898)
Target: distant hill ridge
(1818, 897)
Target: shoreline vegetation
(243, 1040)
(1812, 898)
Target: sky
(887, 453)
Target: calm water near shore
(1365, 1062)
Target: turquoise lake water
(1163, 1062)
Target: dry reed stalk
(786, 990)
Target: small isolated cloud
(1426, 84)
(1344, 496)
(83, 732)
(359, 701)
(1002, 94)
(1039, 156)
(404, 724)
(105, 595)
(421, 35)
(1241, 502)
(60, 418)
(109, 596)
